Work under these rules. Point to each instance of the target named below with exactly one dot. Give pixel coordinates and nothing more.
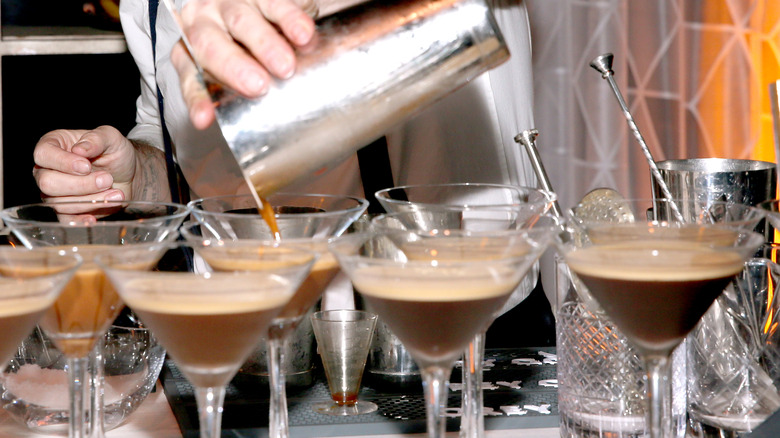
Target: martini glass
(655, 277)
(458, 205)
(437, 289)
(304, 220)
(88, 305)
(209, 320)
(30, 282)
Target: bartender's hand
(242, 44)
(99, 164)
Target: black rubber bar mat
(520, 392)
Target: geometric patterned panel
(695, 75)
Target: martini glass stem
(79, 396)
(658, 395)
(210, 402)
(435, 390)
(472, 423)
(278, 426)
(97, 381)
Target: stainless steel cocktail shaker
(369, 68)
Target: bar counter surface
(518, 380)
(155, 419)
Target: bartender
(466, 137)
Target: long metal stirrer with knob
(600, 203)
(603, 64)
(527, 138)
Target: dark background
(46, 92)
(43, 93)
(58, 13)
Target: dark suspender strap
(176, 183)
(375, 171)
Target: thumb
(97, 142)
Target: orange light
(760, 37)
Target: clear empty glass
(343, 340)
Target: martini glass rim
(344, 248)
(742, 241)
(771, 209)
(361, 205)
(249, 241)
(691, 204)
(204, 244)
(741, 233)
(519, 209)
(769, 204)
(542, 224)
(383, 195)
(179, 211)
(74, 259)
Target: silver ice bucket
(706, 180)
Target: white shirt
(466, 137)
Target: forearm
(150, 181)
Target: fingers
(76, 187)
(99, 141)
(82, 212)
(228, 62)
(201, 109)
(260, 38)
(53, 151)
(292, 18)
(239, 43)
(65, 164)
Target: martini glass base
(334, 409)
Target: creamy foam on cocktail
(325, 268)
(207, 334)
(435, 312)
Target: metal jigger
(603, 64)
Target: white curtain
(695, 74)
